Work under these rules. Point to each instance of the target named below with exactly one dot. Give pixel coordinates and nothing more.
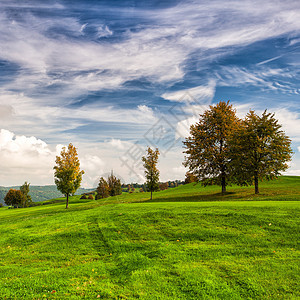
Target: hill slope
(185, 244)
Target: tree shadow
(228, 196)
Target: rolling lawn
(189, 242)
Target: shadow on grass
(195, 198)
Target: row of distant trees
(18, 198)
(221, 149)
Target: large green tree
(151, 171)
(68, 175)
(207, 151)
(259, 149)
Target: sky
(113, 77)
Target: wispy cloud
(63, 52)
(203, 93)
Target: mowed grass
(188, 243)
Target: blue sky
(115, 76)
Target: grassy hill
(40, 193)
(189, 242)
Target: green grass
(188, 243)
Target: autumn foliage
(67, 173)
(208, 155)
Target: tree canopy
(68, 175)
(14, 197)
(259, 149)
(114, 185)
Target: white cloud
(30, 159)
(24, 158)
(290, 121)
(32, 117)
(183, 127)
(104, 31)
(203, 93)
(263, 77)
(117, 143)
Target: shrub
(91, 197)
(1, 205)
(84, 197)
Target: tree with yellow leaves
(67, 173)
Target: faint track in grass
(100, 243)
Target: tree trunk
(151, 195)
(223, 185)
(256, 184)
(67, 204)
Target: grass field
(188, 243)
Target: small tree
(25, 191)
(67, 173)
(259, 149)
(208, 155)
(151, 171)
(114, 185)
(102, 189)
(14, 197)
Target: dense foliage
(102, 189)
(15, 198)
(259, 149)
(208, 154)
(114, 185)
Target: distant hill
(41, 193)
